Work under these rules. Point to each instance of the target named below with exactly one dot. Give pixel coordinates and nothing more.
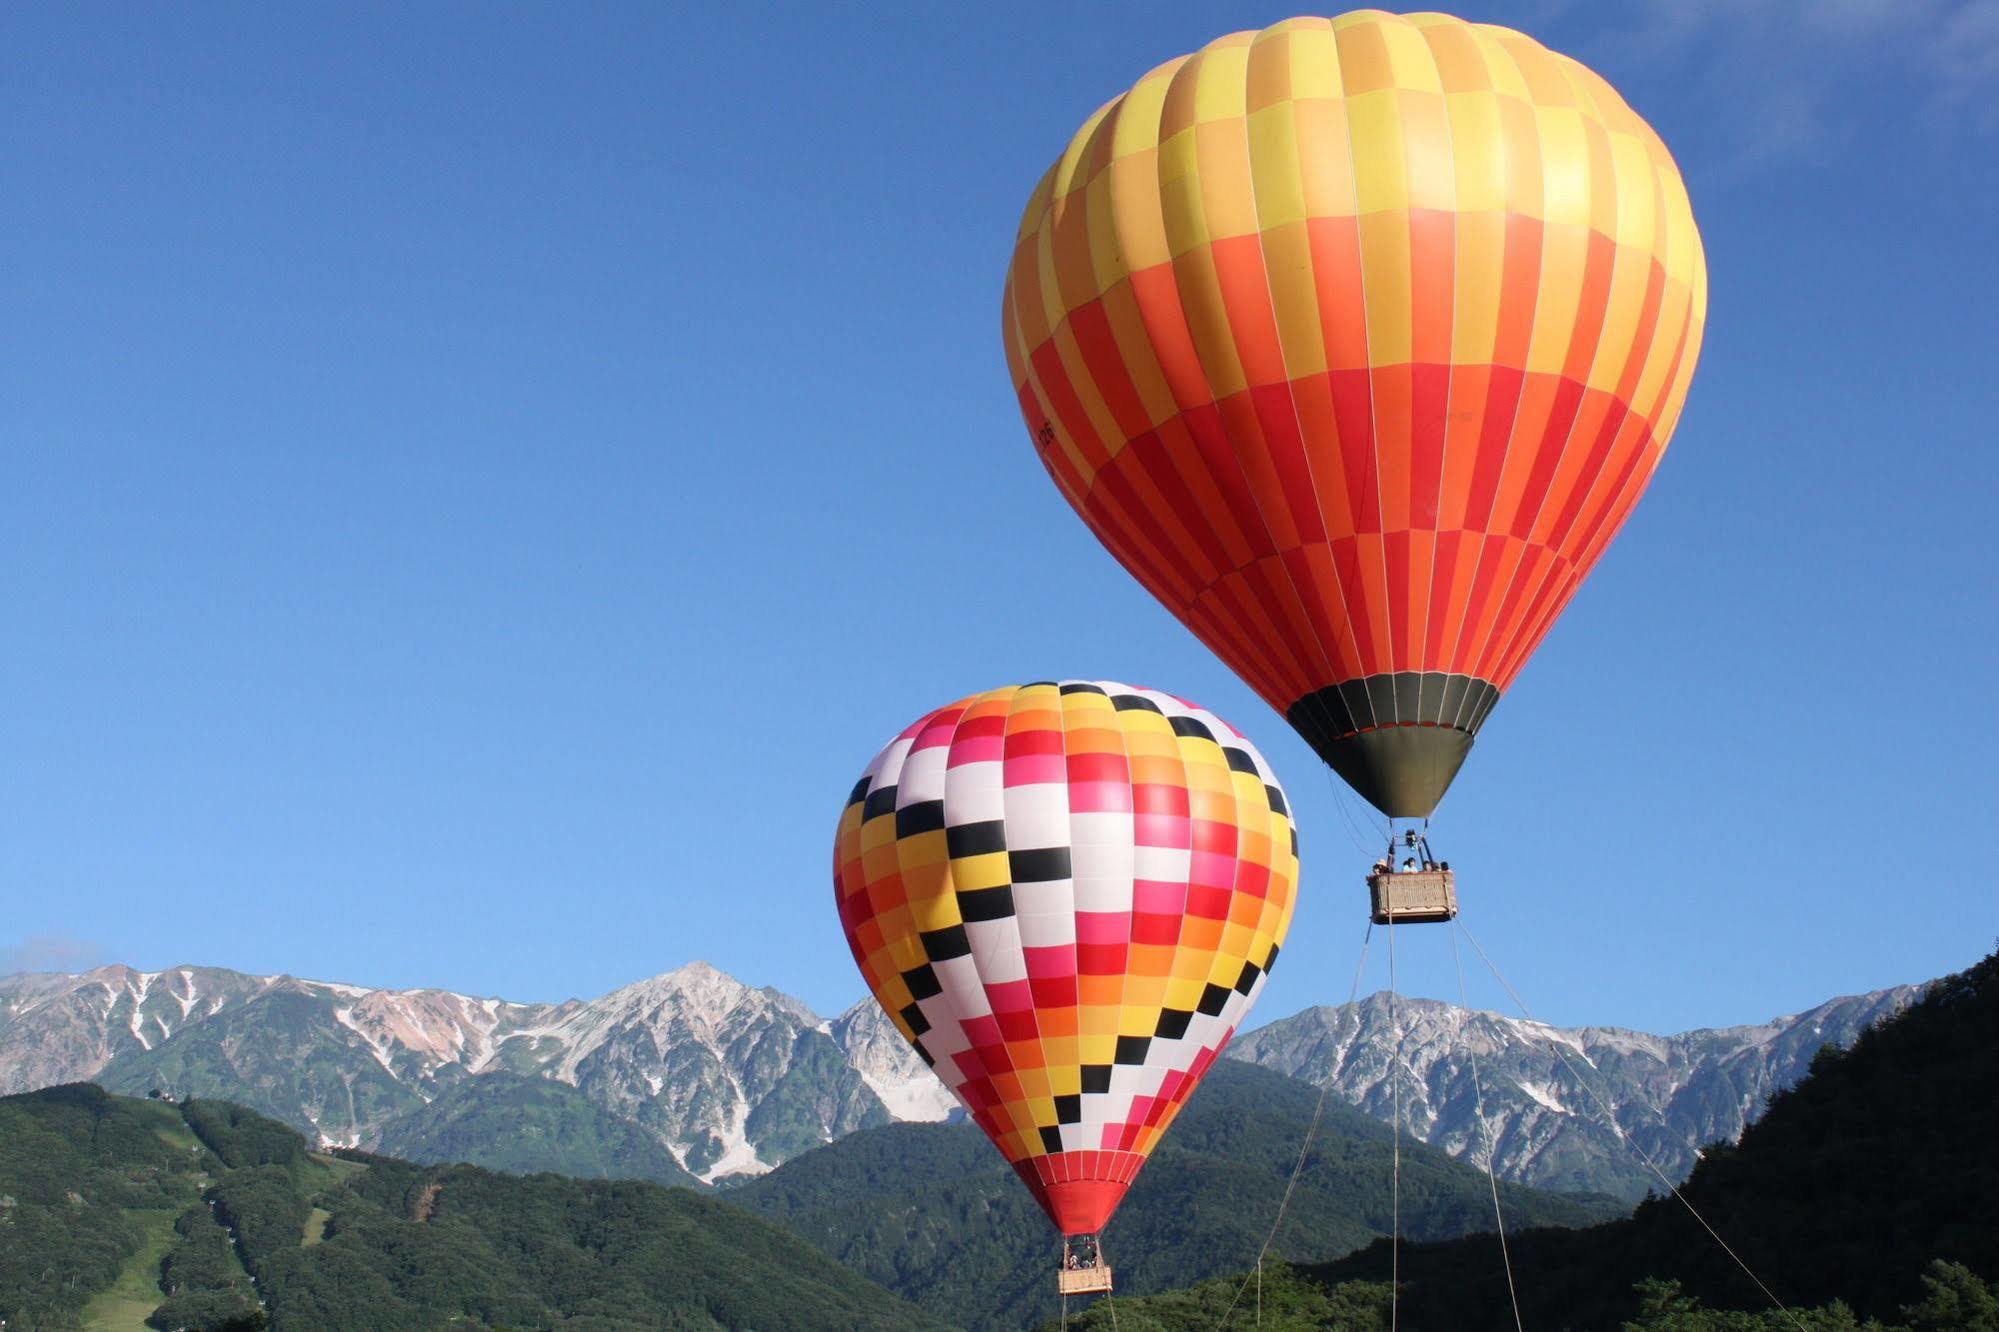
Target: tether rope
(1621, 1136)
(1485, 1132)
(1298, 1166)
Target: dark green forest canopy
(934, 1214)
(523, 1124)
(1280, 1299)
(1867, 1192)
(358, 1241)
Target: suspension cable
(1304, 1149)
(1339, 802)
(1485, 1133)
(1395, 1103)
(1623, 1137)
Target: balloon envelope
(1067, 896)
(1355, 340)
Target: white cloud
(1788, 78)
(49, 952)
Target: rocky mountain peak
(1562, 1105)
(892, 1070)
(733, 1079)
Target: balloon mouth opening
(1397, 738)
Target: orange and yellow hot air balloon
(1356, 340)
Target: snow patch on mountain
(891, 1069)
(1568, 1107)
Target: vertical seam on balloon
(901, 866)
(1527, 357)
(1499, 646)
(1222, 728)
(1576, 537)
(1019, 943)
(1180, 944)
(1075, 896)
(1013, 697)
(1618, 261)
(1621, 504)
(1331, 674)
(1194, 66)
(1625, 495)
(1373, 414)
(1450, 358)
(1131, 907)
(1258, 660)
(1524, 587)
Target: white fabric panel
(1037, 816)
(996, 949)
(975, 793)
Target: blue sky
(477, 485)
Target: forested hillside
(113, 1209)
(508, 1121)
(931, 1211)
(1865, 1192)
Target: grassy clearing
(319, 1171)
(315, 1227)
(136, 1293)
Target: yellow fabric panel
(1496, 45)
(1564, 255)
(1208, 322)
(1520, 157)
(1384, 253)
(1455, 51)
(1179, 186)
(1107, 265)
(1287, 253)
(1365, 62)
(1070, 174)
(1047, 286)
(1037, 204)
(1636, 221)
(1279, 196)
(1139, 112)
(1409, 56)
(1565, 178)
(1313, 53)
(1075, 266)
(1325, 152)
(1221, 89)
(1128, 330)
(1481, 257)
(1098, 412)
(1228, 200)
(1138, 213)
(1380, 177)
(1267, 78)
(1430, 170)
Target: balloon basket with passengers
(1354, 341)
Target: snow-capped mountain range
(729, 1078)
(1557, 1100)
(734, 1080)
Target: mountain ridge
(729, 1078)
(733, 1079)
(1668, 1094)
